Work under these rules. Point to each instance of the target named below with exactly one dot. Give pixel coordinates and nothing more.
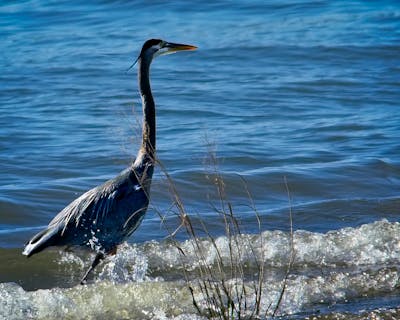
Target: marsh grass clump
(231, 284)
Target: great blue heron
(107, 215)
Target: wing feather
(92, 205)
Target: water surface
(305, 91)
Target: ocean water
(298, 96)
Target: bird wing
(124, 198)
(96, 204)
(96, 201)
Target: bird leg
(99, 256)
(113, 251)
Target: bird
(105, 216)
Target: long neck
(148, 146)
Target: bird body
(107, 215)
(103, 216)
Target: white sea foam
(166, 300)
(129, 264)
(370, 244)
(339, 267)
(99, 301)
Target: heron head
(155, 47)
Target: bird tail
(40, 241)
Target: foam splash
(153, 300)
(306, 292)
(128, 265)
(376, 243)
(172, 300)
(369, 244)
(335, 270)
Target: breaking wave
(339, 271)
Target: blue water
(303, 90)
(306, 91)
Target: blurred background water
(307, 90)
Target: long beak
(174, 47)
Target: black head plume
(148, 44)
